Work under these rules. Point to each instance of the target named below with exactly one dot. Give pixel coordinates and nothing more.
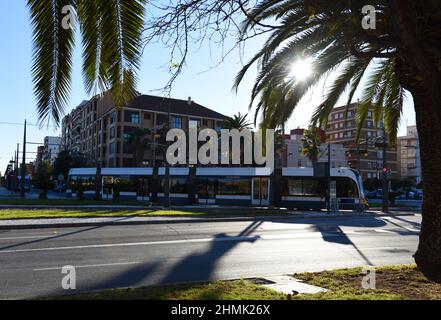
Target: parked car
(371, 195)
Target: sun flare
(301, 69)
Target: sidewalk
(107, 221)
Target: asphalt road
(130, 256)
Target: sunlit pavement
(131, 256)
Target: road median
(65, 218)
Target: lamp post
(167, 164)
(385, 182)
(23, 165)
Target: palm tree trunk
(428, 255)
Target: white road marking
(29, 237)
(186, 241)
(92, 266)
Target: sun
(301, 69)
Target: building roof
(160, 104)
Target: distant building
(409, 160)
(363, 156)
(52, 146)
(98, 130)
(295, 158)
(40, 156)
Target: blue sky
(211, 88)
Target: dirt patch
(397, 282)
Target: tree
(111, 33)
(238, 121)
(138, 144)
(311, 142)
(43, 178)
(403, 52)
(65, 161)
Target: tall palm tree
(111, 40)
(311, 141)
(402, 53)
(238, 121)
(138, 143)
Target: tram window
(86, 183)
(234, 186)
(177, 185)
(295, 187)
(313, 188)
(346, 188)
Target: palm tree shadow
(333, 232)
(201, 266)
(127, 279)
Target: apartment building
(52, 146)
(99, 130)
(295, 158)
(409, 161)
(72, 126)
(367, 155)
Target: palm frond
(52, 57)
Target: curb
(189, 220)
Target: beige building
(99, 130)
(295, 158)
(364, 156)
(409, 161)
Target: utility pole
(328, 192)
(16, 159)
(23, 164)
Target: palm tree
(311, 141)
(111, 39)
(402, 53)
(138, 144)
(237, 121)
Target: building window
(177, 122)
(147, 116)
(135, 118)
(127, 132)
(161, 119)
(112, 148)
(131, 116)
(194, 124)
(112, 133)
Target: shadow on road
(64, 234)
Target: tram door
(260, 191)
(207, 191)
